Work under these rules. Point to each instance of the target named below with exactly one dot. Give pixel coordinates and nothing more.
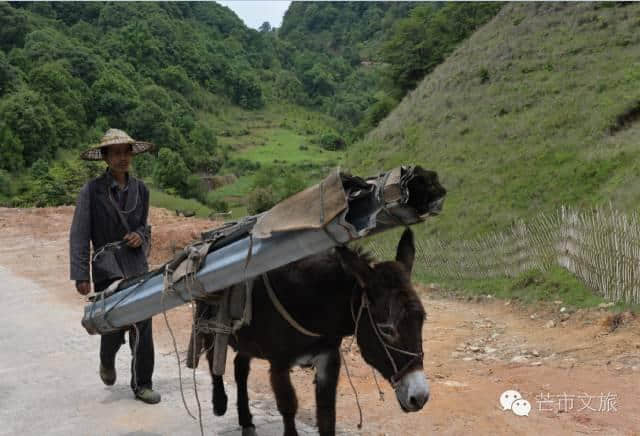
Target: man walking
(111, 213)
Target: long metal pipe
(246, 257)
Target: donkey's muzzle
(412, 391)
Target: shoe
(108, 376)
(148, 395)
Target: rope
(175, 349)
(280, 308)
(355, 392)
(190, 278)
(380, 393)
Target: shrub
(216, 203)
(170, 172)
(260, 200)
(332, 141)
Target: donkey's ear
(354, 265)
(406, 252)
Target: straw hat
(116, 137)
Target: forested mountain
(68, 70)
(357, 60)
(167, 72)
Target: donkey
(327, 297)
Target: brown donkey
(330, 296)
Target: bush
(170, 172)
(216, 203)
(10, 150)
(332, 141)
(241, 166)
(260, 200)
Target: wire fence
(600, 246)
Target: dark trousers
(141, 350)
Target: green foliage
(55, 183)
(530, 287)
(176, 78)
(13, 27)
(273, 184)
(170, 172)
(9, 75)
(522, 143)
(245, 89)
(26, 114)
(216, 203)
(423, 40)
(375, 113)
(10, 150)
(332, 141)
(260, 200)
(113, 96)
(202, 151)
(240, 166)
(159, 70)
(6, 188)
(173, 202)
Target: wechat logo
(512, 400)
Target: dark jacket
(96, 220)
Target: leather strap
(280, 308)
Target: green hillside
(190, 77)
(230, 108)
(536, 109)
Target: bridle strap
(397, 373)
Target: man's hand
(133, 239)
(83, 287)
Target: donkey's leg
(285, 397)
(242, 366)
(327, 372)
(219, 398)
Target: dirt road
(580, 371)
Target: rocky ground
(579, 370)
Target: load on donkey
(319, 296)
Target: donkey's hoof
(249, 431)
(220, 405)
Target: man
(114, 208)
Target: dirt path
(581, 375)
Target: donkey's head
(389, 317)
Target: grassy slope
(273, 135)
(536, 133)
(533, 136)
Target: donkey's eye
(387, 330)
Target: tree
(9, 75)
(113, 96)
(265, 27)
(245, 90)
(54, 81)
(421, 41)
(10, 150)
(202, 153)
(170, 171)
(13, 27)
(175, 77)
(27, 115)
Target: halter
(398, 372)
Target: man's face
(119, 157)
